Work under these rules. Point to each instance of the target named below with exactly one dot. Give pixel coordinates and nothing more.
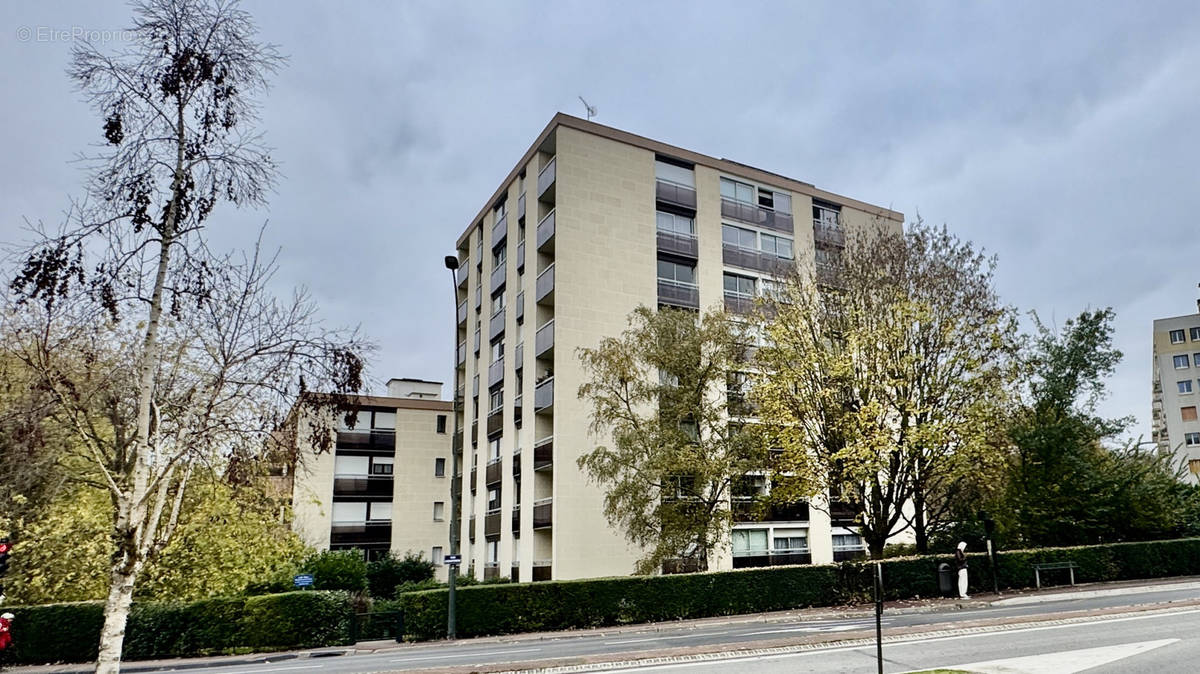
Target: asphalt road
(749, 634)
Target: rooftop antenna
(591, 109)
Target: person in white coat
(960, 557)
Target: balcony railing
(516, 523)
(499, 230)
(521, 207)
(828, 235)
(462, 312)
(517, 413)
(541, 570)
(747, 509)
(759, 558)
(757, 215)
(678, 294)
(736, 256)
(471, 529)
(829, 275)
(491, 524)
(495, 421)
(376, 438)
(519, 356)
(478, 297)
(478, 341)
(739, 303)
(462, 273)
(545, 234)
(360, 533)
(848, 553)
(543, 341)
(475, 386)
(496, 325)
(462, 353)
(520, 301)
(363, 485)
(543, 396)
(520, 256)
(498, 276)
(543, 453)
(674, 193)
(545, 287)
(683, 245)
(491, 570)
(545, 182)
(496, 372)
(543, 513)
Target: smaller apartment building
(386, 484)
(1176, 389)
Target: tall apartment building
(1176, 427)
(591, 223)
(386, 484)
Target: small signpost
(452, 560)
(302, 580)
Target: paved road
(724, 636)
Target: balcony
(747, 509)
(458, 395)
(516, 523)
(462, 313)
(377, 439)
(541, 570)
(517, 412)
(848, 553)
(495, 421)
(545, 182)
(498, 276)
(739, 303)
(474, 474)
(678, 294)
(681, 245)
(478, 297)
(462, 353)
(360, 533)
(545, 234)
(519, 357)
(500, 230)
(474, 441)
(363, 485)
(521, 207)
(478, 341)
(462, 273)
(843, 514)
(491, 524)
(746, 258)
(761, 558)
(828, 235)
(543, 396)
(543, 341)
(471, 529)
(491, 570)
(544, 288)
(757, 215)
(496, 372)
(543, 454)
(520, 256)
(520, 306)
(675, 194)
(475, 386)
(543, 513)
(830, 276)
(496, 325)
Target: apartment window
(493, 552)
(349, 512)
(1195, 334)
(381, 465)
(824, 256)
(479, 237)
(776, 201)
(1181, 362)
(439, 511)
(493, 502)
(1194, 464)
(779, 246)
(674, 174)
(847, 542)
(749, 541)
(516, 491)
(436, 555)
(379, 512)
(1196, 359)
(499, 211)
(439, 467)
(499, 257)
(825, 214)
(676, 224)
(739, 285)
(1177, 337)
(732, 189)
(1188, 413)
(791, 541)
(1185, 386)
(498, 303)
(521, 182)
(441, 423)
(497, 351)
(493, 449)
(1191, 439)
(674, 271)
(740, 237)
(496, 400)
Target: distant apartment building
(385, 486)
(591, 223)
(1176, 388)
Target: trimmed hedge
(558, 605)
(71, 632)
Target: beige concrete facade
(1176, 390)
(386, 485)
(603, 251)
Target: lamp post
(451, 627)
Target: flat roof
(724, 165)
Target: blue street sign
(452, 560)
(302, 580)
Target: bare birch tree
(188, 358)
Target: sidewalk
(900, 607)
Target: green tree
(883, 376)
(337, 570)
(658, 390)
(385, 573)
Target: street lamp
(452, 265)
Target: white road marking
(1065, 662)
(468, 655)
(278, 669)
(681, 636)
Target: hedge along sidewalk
(558, 605)
(71, 632)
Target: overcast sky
(1062, 138)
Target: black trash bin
(946, 580)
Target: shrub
(337, 570)
(56, 632)
(384, 574)
(297, 619)
(418, 587)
